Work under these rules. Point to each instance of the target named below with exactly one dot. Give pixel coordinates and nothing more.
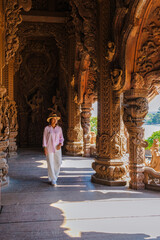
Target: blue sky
(154, 104)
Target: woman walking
(52, 142)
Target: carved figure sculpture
(116, 77)
(155, 161)
(137, 81)
(93, 138)
(34, 100)
(110, 51)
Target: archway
(141, 44)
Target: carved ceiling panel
(148, 48)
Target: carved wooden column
(2, 23)
(108, 164)
(136, 108)
(2, 40)
(4, 134)
(74, 145)
(12, 114)
(12, 20)
(85, 120)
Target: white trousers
(54, 161)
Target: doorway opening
(152, 125)
(93, 123)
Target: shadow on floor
(76, 208)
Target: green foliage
(93, 122)
(155, 135)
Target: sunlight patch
(43, 164)
(112, 217)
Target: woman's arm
(61, 139)
(44, 141)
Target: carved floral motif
(149, 49)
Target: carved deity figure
(58, 105)
(110, 51)
(34, 100)
(155, 161)
(93, 138)
(137, 81)
(116, 77)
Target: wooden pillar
(74, 145)
(136, 108)
(108, 164)
(85, 120)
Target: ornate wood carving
(35, 85)
(58, 31)
(13, 19)
(13, 128)
(155, 161)
(148, 51)
(151, 179)
(4, 134)
(84, 15)
(85, 121)
(136, 108)
(108, 165)
(111, 49)
(84, 19)
(74, 145)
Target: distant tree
(155, 135)
(156, 118)
(93, 122)
(149, 118)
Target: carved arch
(141, 40)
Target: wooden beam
(43, 19)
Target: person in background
(52, 143)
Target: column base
(111, 172)
(74, 148)
(137, 186)
(101, 181)
(136, 176)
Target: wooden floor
(76, 208)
